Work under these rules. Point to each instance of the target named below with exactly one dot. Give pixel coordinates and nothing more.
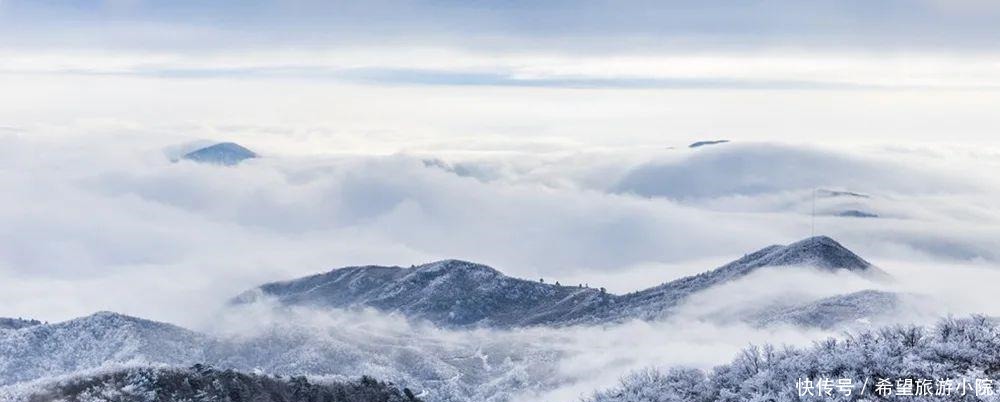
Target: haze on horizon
(315, 77)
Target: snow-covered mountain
(459, 294)
(475, 369)
(202, 383)
(52, 349)
(861, 308)
(223, 153)
(659, 301)
(450, 293)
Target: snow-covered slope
(473, 368)
(223, 153)
(859, 308)
(450, 293)
(657, 302)
(88, 342)
(457, 293)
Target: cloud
(81, 216)
(444, 66)
(587, 26)
(107, 222)
(540, 364)
(755, 169)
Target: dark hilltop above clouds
(698, 144)
(454, 293)
(223, 153)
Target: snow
(953, 349)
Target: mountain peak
(223, 153)
(819, 251)
(454, 266)
(111, 315)
(110, 319)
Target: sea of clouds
(112, 224)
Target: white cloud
(82, 216)
(106, 222)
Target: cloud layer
(112, 224)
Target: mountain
(862, 308)
(461, 294)
(16, 323)
(452, 293)
(840, 193)
(223, 153)
(656, 302)
(698, 144)
(856, 213)
(449, 293)
(457, 370)
(84, 343)
(203, 383)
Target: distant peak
(821, 239)
(856, 213)
(698, 144)
(840, 193)
(223, 153)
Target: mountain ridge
(437, 292)
(456, 293)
